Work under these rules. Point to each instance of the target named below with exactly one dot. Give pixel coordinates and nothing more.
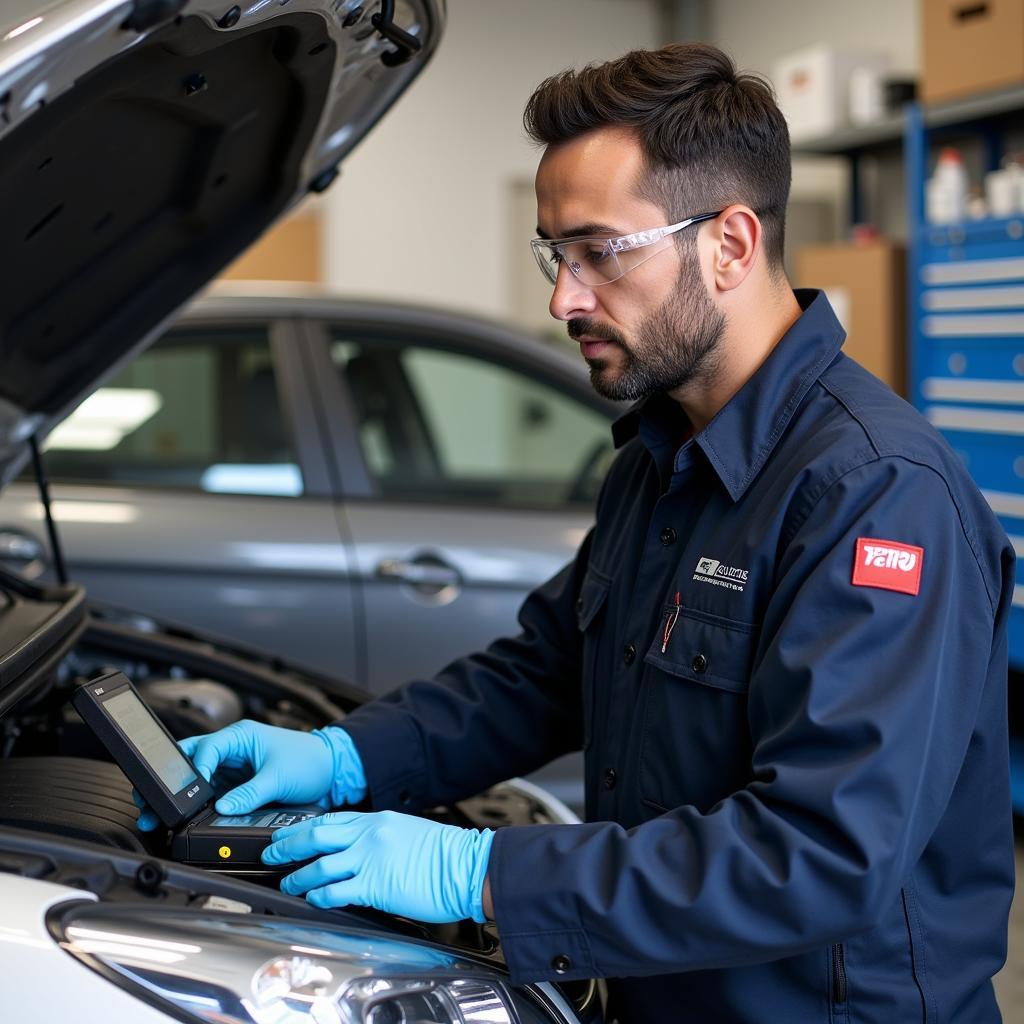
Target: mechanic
(782, 647)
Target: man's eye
(554, 256)
(597, 256)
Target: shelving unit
(856, 142)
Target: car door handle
(16, 546)
(425, 572)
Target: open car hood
(144, 144)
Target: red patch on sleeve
(887, 564)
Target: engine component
(192, 706)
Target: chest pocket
(589, 608)
(695, 745)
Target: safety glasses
(596, 261)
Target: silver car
(368, 490)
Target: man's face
(654, 329)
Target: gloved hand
(281, 766)
(394, 862)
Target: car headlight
(232, 969)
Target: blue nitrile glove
(283, 766)
(394, 862)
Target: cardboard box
(813, 88)
(865, 282)
(970, 46)
(289, 251)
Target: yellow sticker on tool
(225, 852)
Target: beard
(674, 346)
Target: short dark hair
(710, 136)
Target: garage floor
(1010, 981)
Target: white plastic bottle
(946, 191)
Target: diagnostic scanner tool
(168, 781)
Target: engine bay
(66, 811)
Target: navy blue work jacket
(783, 649)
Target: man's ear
(736, 234)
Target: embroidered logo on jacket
(887, 564)
(711, 571)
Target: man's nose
(571, 297)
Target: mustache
(592, 329)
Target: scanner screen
(162, 755)
(269, 817)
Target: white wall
(757, 32)
(446, 158)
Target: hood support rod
(44, 496)
(404, 42)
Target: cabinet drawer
(955, 266)
(971, 359)
(967, 298)
(984, 324)
(994, 460)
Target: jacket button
(405, 798)
(700, 663)
(609, 778)
(667, 536)
(561, 963)
(628, 654)
(579, 604)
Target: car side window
(199, 409)
(446, 426)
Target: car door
(193, 488)
(473, 480)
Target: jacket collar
(744, 432)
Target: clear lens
(547, 259)
(593, 260)
(597, 261)
(240, 970)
